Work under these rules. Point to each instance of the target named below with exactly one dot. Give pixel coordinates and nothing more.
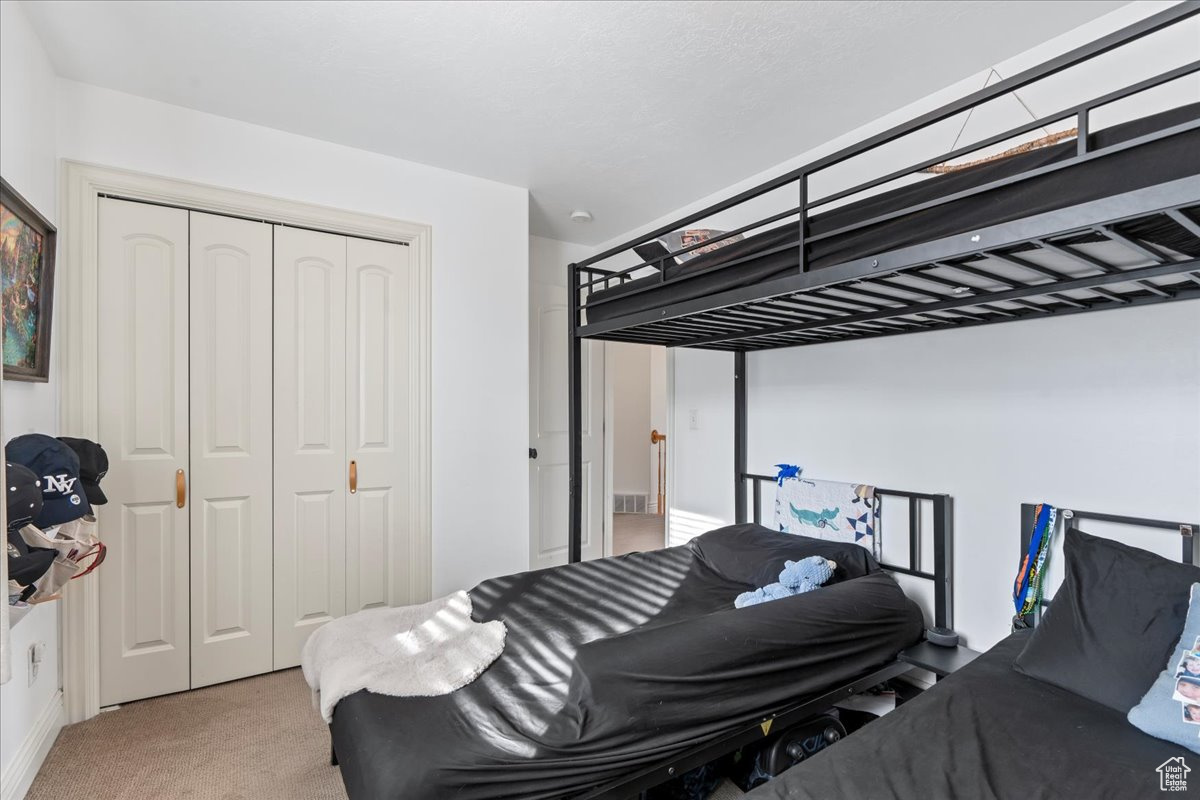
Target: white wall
(959, 412)
(629, 366)
(701, 488)
(27, 162)
(480, 289)
(27, 159)
(548, 259)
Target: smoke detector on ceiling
(581, 216)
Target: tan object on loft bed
(1036, 144)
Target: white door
(143, 414)
(548, 472)
(378, 538)
(311, 467)
(230, 484)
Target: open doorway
(637, 415)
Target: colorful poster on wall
(26, 287)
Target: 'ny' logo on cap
(59, 483)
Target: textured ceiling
(626, 109)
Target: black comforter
(987, 731)
(1166, 159)
(612, 664)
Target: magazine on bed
(690, 236)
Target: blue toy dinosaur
(824, 519)
(787, 471)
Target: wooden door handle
(180, 489)
(353, 477)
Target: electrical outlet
(694, 419)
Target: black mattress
(614, 664)
(1137, 167)
(987, 731)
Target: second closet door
(230, 393)
(377, 435)
(311, 468)
(342, 496)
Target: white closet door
(230, 501)
(311, 468)
(378, 538)
(143, 410)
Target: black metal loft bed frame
(857, 299)
(778, 720)
(1069, 517)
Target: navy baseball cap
(26, 564)
(22, 495)
(57, 467)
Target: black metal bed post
(739, 436)
(575, 425)
(943, 563)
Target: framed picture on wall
(27, 245)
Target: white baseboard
(17, 779)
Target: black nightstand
(941, 661)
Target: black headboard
(942, 576)
(1185, 530)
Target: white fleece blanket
(413, 651)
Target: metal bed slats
(1011, 243)
(860, 307)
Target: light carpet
(634, 533)
(253, 738)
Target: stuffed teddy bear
(797, 577)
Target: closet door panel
(377, 381)
(231, 449)
(142, 401)
(310, 436)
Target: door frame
(82, 186)
(609, 428)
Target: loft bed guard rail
(942, 508)
(1068, 517)
(1127, 236)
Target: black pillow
(1113, 623)
(754, 555)
(652, 251)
